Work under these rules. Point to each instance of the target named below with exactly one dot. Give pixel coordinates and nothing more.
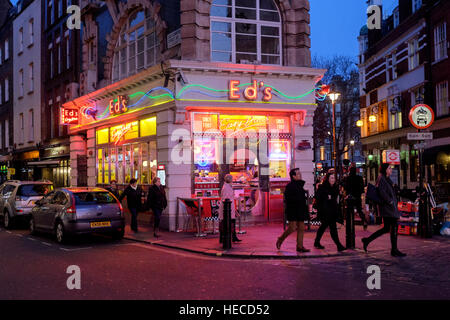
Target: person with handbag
(296, 209)
(387, 206)
(157, 201)
(328, 210)
(133, 193)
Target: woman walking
(227, 192)
(328, 210)
(156, 201)
(388, 210)
(296, 209)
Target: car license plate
(101, 224)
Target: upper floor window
(440, 42)
(137, 46)
(0, 55)
(51, 11)
(6, 90)
(396, 17)
(6, 49)
(416, 4)
(245, 30)
(442, 103)
(21, 83)
(20, 40)
(31, 31)
(413, 54)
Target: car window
(34, 190)
(48, 197)
(8, 190)
(86, 198)
(59, 198)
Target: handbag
(372, 194)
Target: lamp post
(352, 144)
(333, 97)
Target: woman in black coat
(156, 201)
(296, 209)
(388, 210)
(328, 210)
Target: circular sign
(393, 157)
(319, 166)
(421, 116)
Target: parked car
(67, 212)
(17, 198)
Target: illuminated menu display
(69, 116)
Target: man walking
(354, 188)
(133, 194)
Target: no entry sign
(421, 116)
(391, 157)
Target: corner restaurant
(191, 123)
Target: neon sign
(242, 123)
(121, 105)
(119, 132)
(251, 92)
(69, 116)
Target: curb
(225, 254)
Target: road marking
(46, 243)
(32, 239)
(19, 235)
(75, 249)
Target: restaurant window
(137, 47)
(103, 136)
(245, 30)
(148, 127)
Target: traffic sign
(421, 116)
(391, 157)
(420, 136)
(420, 146)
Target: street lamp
(352, 144)
(333, 97)
(359, 123)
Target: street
(34, 267)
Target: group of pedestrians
(328, 210)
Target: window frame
(413, 55)
(258, 22)
(440, 42)
(442, 103)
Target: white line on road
(32, 239)
(46, 243)
(75, 249)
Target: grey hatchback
(67, 212)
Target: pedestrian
(113, 188)
(133, 194)
(227, 192)
(156, 201)
(328, 210)
(296, 209)
(354, 188)
(388, 210)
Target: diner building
(228, 90)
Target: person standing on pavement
(388, 210)
(156, 201)
(354, 188)
(227, 192)
(328, 210)
(296, 209)
(113, 188)
(133, 193)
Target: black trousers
(333, 232)
(134, 213)
(390, 226)
(157, 217)
(357, 204)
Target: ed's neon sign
(251, 92)
(121, 106)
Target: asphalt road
(34, 267)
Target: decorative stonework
(195, 31)
(120, 17)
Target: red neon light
(234, 90)
(251, 93)
(69, 116)
(120, 106)
(118, 133)
(267, 94)
(161, 167)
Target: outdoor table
(205, 208)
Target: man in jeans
(133, 194)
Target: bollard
(226, 224)
(350, 223)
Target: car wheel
(7, 221)
(32, 226)
(60, 233)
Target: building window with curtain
(137, 47)
(413, 54)
(440, 42)
(245, 31)
(442, 104)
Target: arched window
(137, 46)
(245, 30)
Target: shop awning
(47, 163)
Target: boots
(394, 251)
(155, 232)
(233, 227)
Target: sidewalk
(259, 242)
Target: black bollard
(350, 223)
(226, 224)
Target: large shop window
(245, 30)
(137, 47)
(127, 151)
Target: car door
(41, 212)
(57, 205)
(5, 197)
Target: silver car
(17, 198)
(68, 212)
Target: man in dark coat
(296, 209)
(133, 194)
(354, 188)
(156, 201)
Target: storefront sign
(279, 150)
(420, 136)
(251, 92)
(117, 133)
(280, 124)
(30, 155)
(120, 106)
(242, 123)
(421, 116)
(391, 157)
(69, 116)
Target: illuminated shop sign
(204, 152)
(69, 116)
(117, 133)
(279, 150)
(242, 123)
(119, 105)
(251, 92)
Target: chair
(192, 211)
